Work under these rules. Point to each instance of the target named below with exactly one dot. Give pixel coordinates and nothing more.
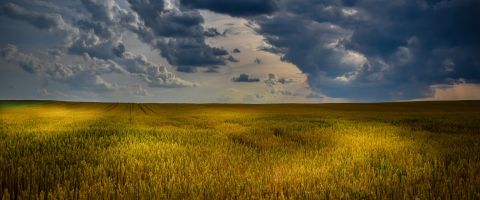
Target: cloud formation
(236, 8)
(27, 62)
(96, 35)
(359, 50)
(38, 19)
(76, 76)
(245, 78)
(275, 85)
(178, 34)
(362, 50)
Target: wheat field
(69, 150)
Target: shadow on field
(434, 124)
(158, 151)
(57, 159)
(281, 132)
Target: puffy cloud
(94, 46)
(189, 53)
(178, 34)
(88, 74)
(109, 17)
(154, 75)
(27, 62)
(245, 78)
(362, 51)
(347, 49)
(96, 33)
(234, 7)
(76, 76)
(275, 85)
(85, 76)
(273, 79)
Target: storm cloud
(363, 51)
(178, 34)
(39, 20)
(234, 7)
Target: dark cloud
(167, 24)
(232, 59)
(39, 20)
(236, 50)
(182, 40)
(363, 51)
(212, 32)
(175, 23)
(100, 10)
(245, 78)
(98, 28)
(95, 33)
(191, 53)
(103, 29)
(234, 7)
(360, 50)
(212, 69)
(99, 31)
(284, 80)
(119, 50)
(94, 46)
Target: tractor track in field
(130, 106)
(142, 109)
(146, 109)
(110, 107)
(150, 109)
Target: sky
(240, 51)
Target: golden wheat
(59, 150)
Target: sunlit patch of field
(62, 150)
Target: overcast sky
(240, 51)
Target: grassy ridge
(150, 151)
